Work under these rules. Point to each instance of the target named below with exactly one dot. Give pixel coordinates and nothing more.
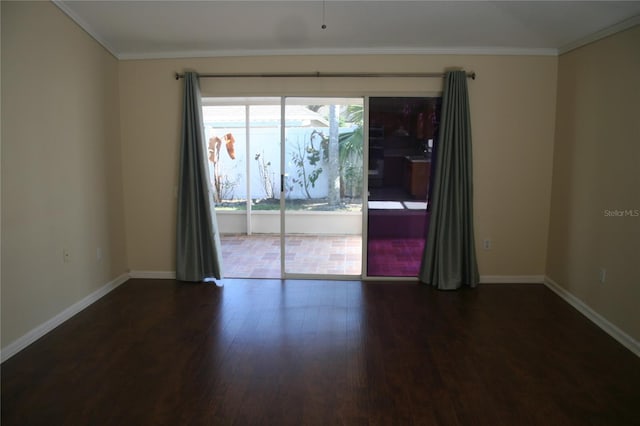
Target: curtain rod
(471, 75)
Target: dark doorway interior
(402, 140)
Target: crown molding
(619, 27)
(86, 27)
(485, 51)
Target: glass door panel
(322, 181)
(264, 171)
(225, 135)
(264, 156)
(242, 138)
(225, 141)
(402, 136)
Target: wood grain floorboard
(272, 352)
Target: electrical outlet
(602, 275)
(486, 244)
(66, 255)
(99, 254)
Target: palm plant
(351, 152)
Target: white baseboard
(511, 279)
(153, 275)
(625, 340)
(33, 335)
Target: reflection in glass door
(402, 139)
(322, 179)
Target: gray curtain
(449, 258)
(198, 253)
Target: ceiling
(169, 29)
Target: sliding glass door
(322, 158)
(243, 141)
(402, 139)
(288, 176)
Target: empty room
(320, 212)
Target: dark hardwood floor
(271, 352)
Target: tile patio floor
(258, 255)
